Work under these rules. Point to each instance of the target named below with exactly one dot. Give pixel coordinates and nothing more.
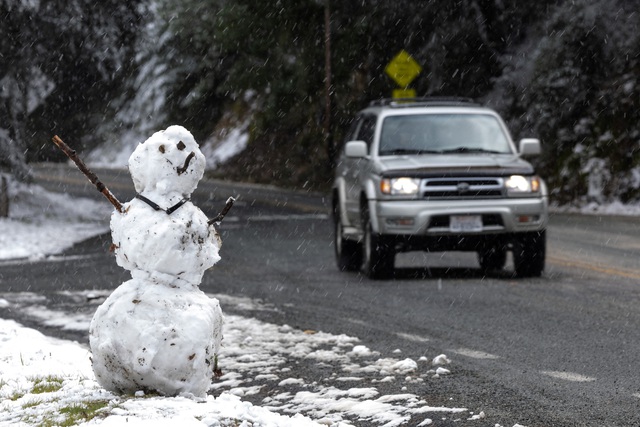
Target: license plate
(465, 223)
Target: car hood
(444, 165)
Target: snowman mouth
(182, 169)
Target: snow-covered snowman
(158, 332)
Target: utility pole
(327, 85)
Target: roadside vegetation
(564, 71)
(48, 401)
(40, 398)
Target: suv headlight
(519, 184)
(400, 186)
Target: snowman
(158, 332)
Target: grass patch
(47, 384)
(73, 414)
(41, 385)
(37, 407)
(32, 403)
(16, 395)
(84, 411)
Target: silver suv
(437, 175)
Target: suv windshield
(442, 134)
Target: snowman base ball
(156, 338)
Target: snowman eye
(181, 146)
(161, 148)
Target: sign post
(403, 69)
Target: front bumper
(432, 218)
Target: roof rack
(423, 101)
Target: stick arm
(88, 173)
(223, 213)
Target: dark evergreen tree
(63, 63)
(271, 52)
(563, 71)
(572, 100)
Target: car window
(353, 127)
(442, 133)
(367, 129)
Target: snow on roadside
(44, 378)
(615, 208)
(255, 356)
(44, 223)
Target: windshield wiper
(399, 151)
(470, 150)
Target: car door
(355, 168)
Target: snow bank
(42, 223)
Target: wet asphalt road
(561, 350)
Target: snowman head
(169, 162)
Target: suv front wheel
(348, 252)
(529, 251)
(378, 256)
(492, 258)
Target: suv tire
(529, 250)
(348, 252)
(378, 257)
(492, 258)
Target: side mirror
(356, 149)
(529, 147)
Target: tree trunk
(4, 198)
(12, 158)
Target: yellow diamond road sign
(403, 69)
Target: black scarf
(155, 206)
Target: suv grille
(462, 188)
